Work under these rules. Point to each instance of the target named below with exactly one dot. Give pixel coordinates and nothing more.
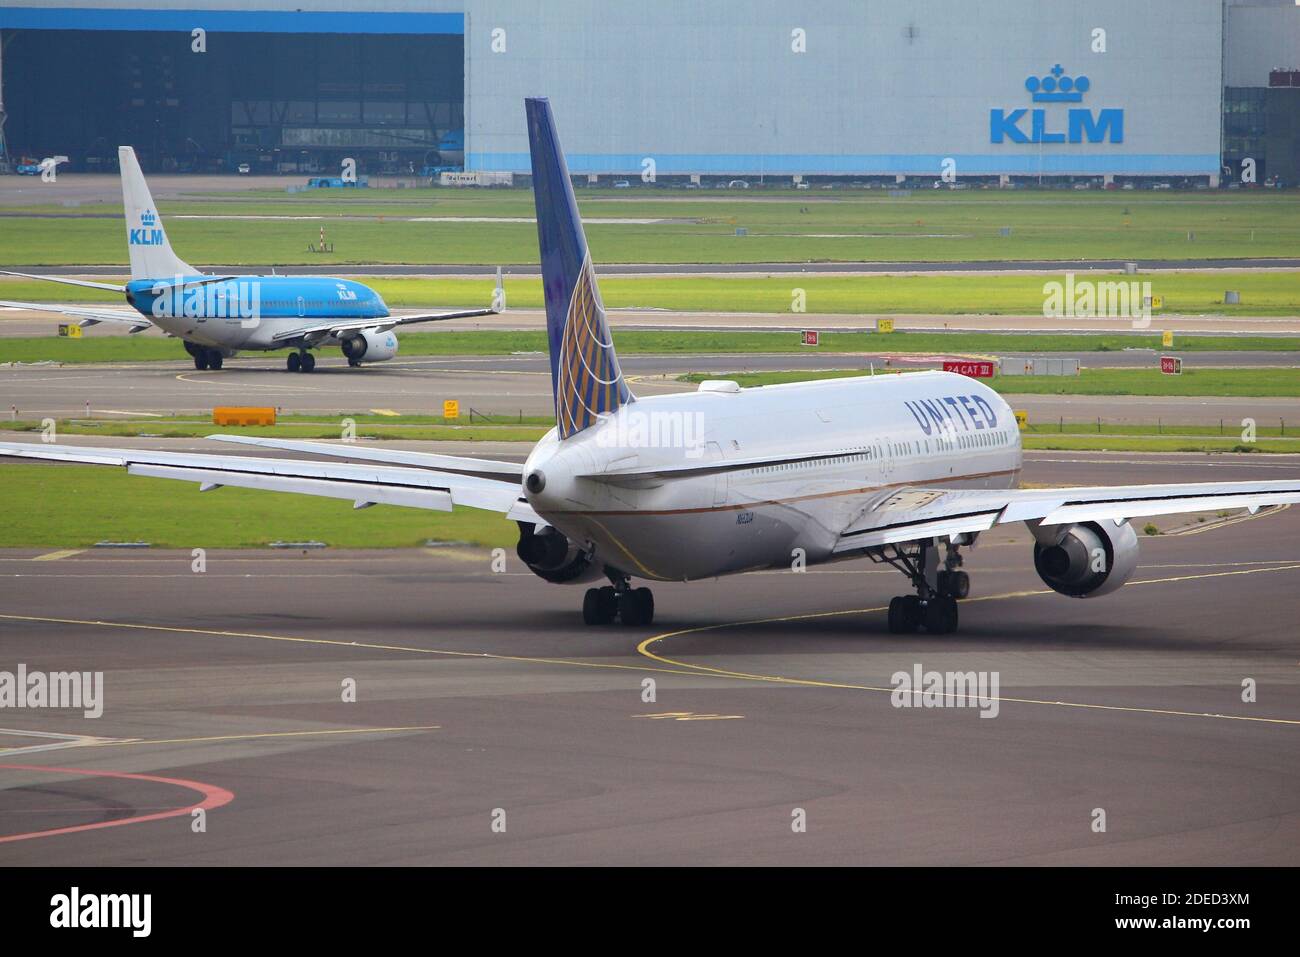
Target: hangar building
(756, 89)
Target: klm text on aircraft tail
(217, 316)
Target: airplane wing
(88, 316)
(909, 514)
(67, 282)
(183, 284)
(339, 328)
(464, 465)
(365, 485)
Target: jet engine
(370, 346)
(1089, 559)
(551, 556)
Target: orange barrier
(242, 415)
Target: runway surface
(513, 385)
(480, 697)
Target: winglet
(499, 294)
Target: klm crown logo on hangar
(146, 234)
(1082, 125)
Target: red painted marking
(213, 797)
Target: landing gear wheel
(904, 614)
(594, 611)
(201, 360)
(215, 359)
(608, 603)
(954, 584)
(941, 615)
(293, 363)
(308, 362)
(636, 606)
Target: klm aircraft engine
(369, 346)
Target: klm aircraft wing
(88, 317)
(910, 514)
(341, 327)
(364, 485)
(338, 329)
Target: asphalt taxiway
(481, 699)
(505, 386)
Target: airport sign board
(976, 369)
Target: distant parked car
(622, 184)
(738, 184)
(802, 186)
(243, 169)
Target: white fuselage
(796, 465)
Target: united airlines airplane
(904, 469)
(217, 316)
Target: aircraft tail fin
(585, 374)
(146, 239)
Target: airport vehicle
(243, 169)
(903, 469)
(218, 316)
(337, 182)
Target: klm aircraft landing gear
(302, 361)
(934, 606)
(631, 606)
(204, 358)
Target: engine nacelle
(370, 346)
(1089, 559)
(551, 556)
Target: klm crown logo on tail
(585, 373)
(146, 234)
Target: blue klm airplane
(217, 316)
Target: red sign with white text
(974, 369)
(811, 337)
(1171, 365)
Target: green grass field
(71, 506)
(1191, 293)
(1264, 382)
(645, 342)
(782, 226)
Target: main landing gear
(205, 358)
(302, 361)
(631, 606)
(934, 606)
